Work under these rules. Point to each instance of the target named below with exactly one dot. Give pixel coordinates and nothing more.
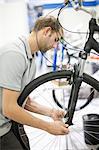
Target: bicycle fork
(77, 80)
(73, 101)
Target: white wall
(97, 11)
(71, 18)
(13, 20)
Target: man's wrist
(51, 112)
(45, 126)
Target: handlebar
(91, 42)
(93, 27)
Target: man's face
(50, 40)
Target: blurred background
(17, 17)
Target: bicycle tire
(36, 83)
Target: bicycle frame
(79, 69)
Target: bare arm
(14, 112)
(37, 108)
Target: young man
(17, 69)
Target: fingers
(57, 114)
(65, 129)
(66, 125)
(62, 113)
(58, 128)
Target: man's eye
(56, 40)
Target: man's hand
(57, 114)
(58, 128)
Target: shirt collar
(27, 47)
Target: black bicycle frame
(78, 72)
(73, 100)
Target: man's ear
(47, 31)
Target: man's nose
(55, 44)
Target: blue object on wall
(85, 3)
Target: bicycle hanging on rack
(80, 137)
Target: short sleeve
(12, 67)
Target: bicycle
(85, 139)
(60, 95)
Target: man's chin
(43, 51)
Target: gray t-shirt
(17, 69)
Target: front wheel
(40, 89)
